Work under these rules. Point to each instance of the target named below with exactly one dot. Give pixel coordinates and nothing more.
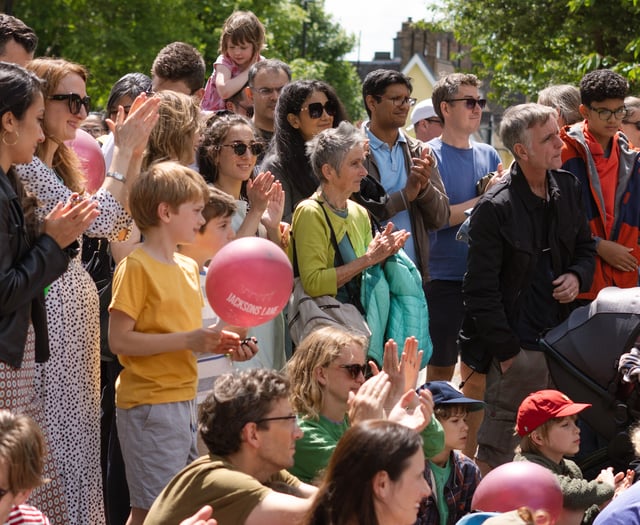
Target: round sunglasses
(315, 109)
(240, 148)
(75, 102)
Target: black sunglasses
(355, 370)
(315, 109)
(636, 124)
(470, 103)
(75, 102)
(240, 148)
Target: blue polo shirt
(393, 177)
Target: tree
(113, 38)
(525, 46)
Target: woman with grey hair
(330, 218)
(630, 124)
(565, 99)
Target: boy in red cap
(546, 423)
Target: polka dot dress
(68, 384)
(17, 395)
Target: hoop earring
(4, 139)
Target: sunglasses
(636, 124)
(355, 370)
(315, 109)
(75, 102)
(470, 103)
(240, 148)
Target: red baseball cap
(539, 407)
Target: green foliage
(523, 46)
(113, 37)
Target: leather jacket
(27, 266)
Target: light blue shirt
(393, 177)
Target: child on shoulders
(241, 41)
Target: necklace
(333, 208)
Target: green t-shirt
(320, 438)
(314, 449)
(440, 476)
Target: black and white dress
(68, 384)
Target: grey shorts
(157, 442)
(503, 395)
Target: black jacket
(26, 268)
(502, 260)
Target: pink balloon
(519, 484)
(91, 159)
(249, 281)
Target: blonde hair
(242, 27)
(22, 451)
(164, 182)
(172, 138)
(319, 349)
(65, 161)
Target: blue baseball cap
(444, 393)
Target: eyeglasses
(606, 114)
(267, 92)
(240, 148)
(470, 103)
(75, 102)
(292, 418)
(636, 124)
(315, 109)
(399, 101)
(355, 370)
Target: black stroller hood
(583, 354)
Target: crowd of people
(131, 402)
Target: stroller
(591, 358)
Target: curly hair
(14, 28)
(173, 135)
(22, 451)
(346, 496)
(602, 84)
(215, 133)
(237, 399)
(447, 88)
(65, 161)
(287, 156)
(319, 349)
(180, 62)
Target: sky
(376, 22)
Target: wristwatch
(116, 175)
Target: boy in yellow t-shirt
(155, 328)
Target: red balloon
(249, 281)
(91, 159)
(519, 484)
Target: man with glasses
(266, 80)
(403, 184)
(609, 169)
(462, 163)
(250, 430)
